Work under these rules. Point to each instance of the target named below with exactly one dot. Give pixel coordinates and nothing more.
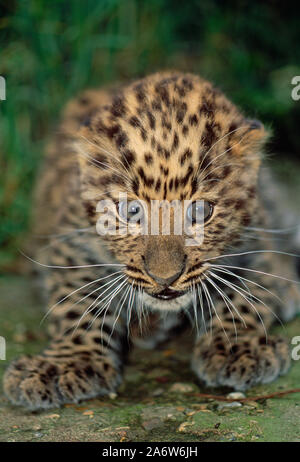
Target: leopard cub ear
(254, 124)
(249, 139)
(256, 134)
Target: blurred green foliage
(50, 50)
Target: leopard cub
(167, 137)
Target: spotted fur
(170, 136)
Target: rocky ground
(157, 402)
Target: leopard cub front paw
(39, 382)
(246, 363)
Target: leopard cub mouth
(168, 294)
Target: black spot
(186, 155)
(232, 128)
(144, 134)
(208, 137)
(180, 114)
(166, 153)
(235, 349)
(194, 185)
(135, 122)
(251, 192)
(165, 123)
(193, 120)
(148, 181)
(159, 149)
(176, 183)
(112, 131)
(148, 158)
(185, 130)
(72, 314)
(187, 84)
(84, 100)
(121, 139)
(151, 120)
(226, 171)
(106, 366)
(135, 186)
(162, 91)
(89, 371)
(220, 346)
(86, 121)
(118, 108)
(101, 158)
(239, 204)
(165, 190)
(180, 90)
(77, 340)
(104, 180)
(184, 180)
(158, 185)
(51, 371)
(207, 108)
(140, 92)
(156, 105)
(90, 209)
(128, 155)
(246, 220)
(205, 161)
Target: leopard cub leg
(237, 351)
(78, 364)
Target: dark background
(50, 50)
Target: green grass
(51, 50)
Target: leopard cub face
(170, 137)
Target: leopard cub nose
(164, 259)
(166, 281)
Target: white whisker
(219, 290)
(231, 303)
(257, 271)
(275, 231)
(260, 301)
(245, 279)
(253, 252)
(107, 166)
(90, 307)
(114, 157)
(208, 305)
(215, 311)
(240, 291)
(218, 141)
(106, 305)
(70, 267)
(193, 291)
(129, 289)
(77, 290)
(202, 308)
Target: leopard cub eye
(199, 212)
(132, 211)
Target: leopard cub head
(170, 138)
